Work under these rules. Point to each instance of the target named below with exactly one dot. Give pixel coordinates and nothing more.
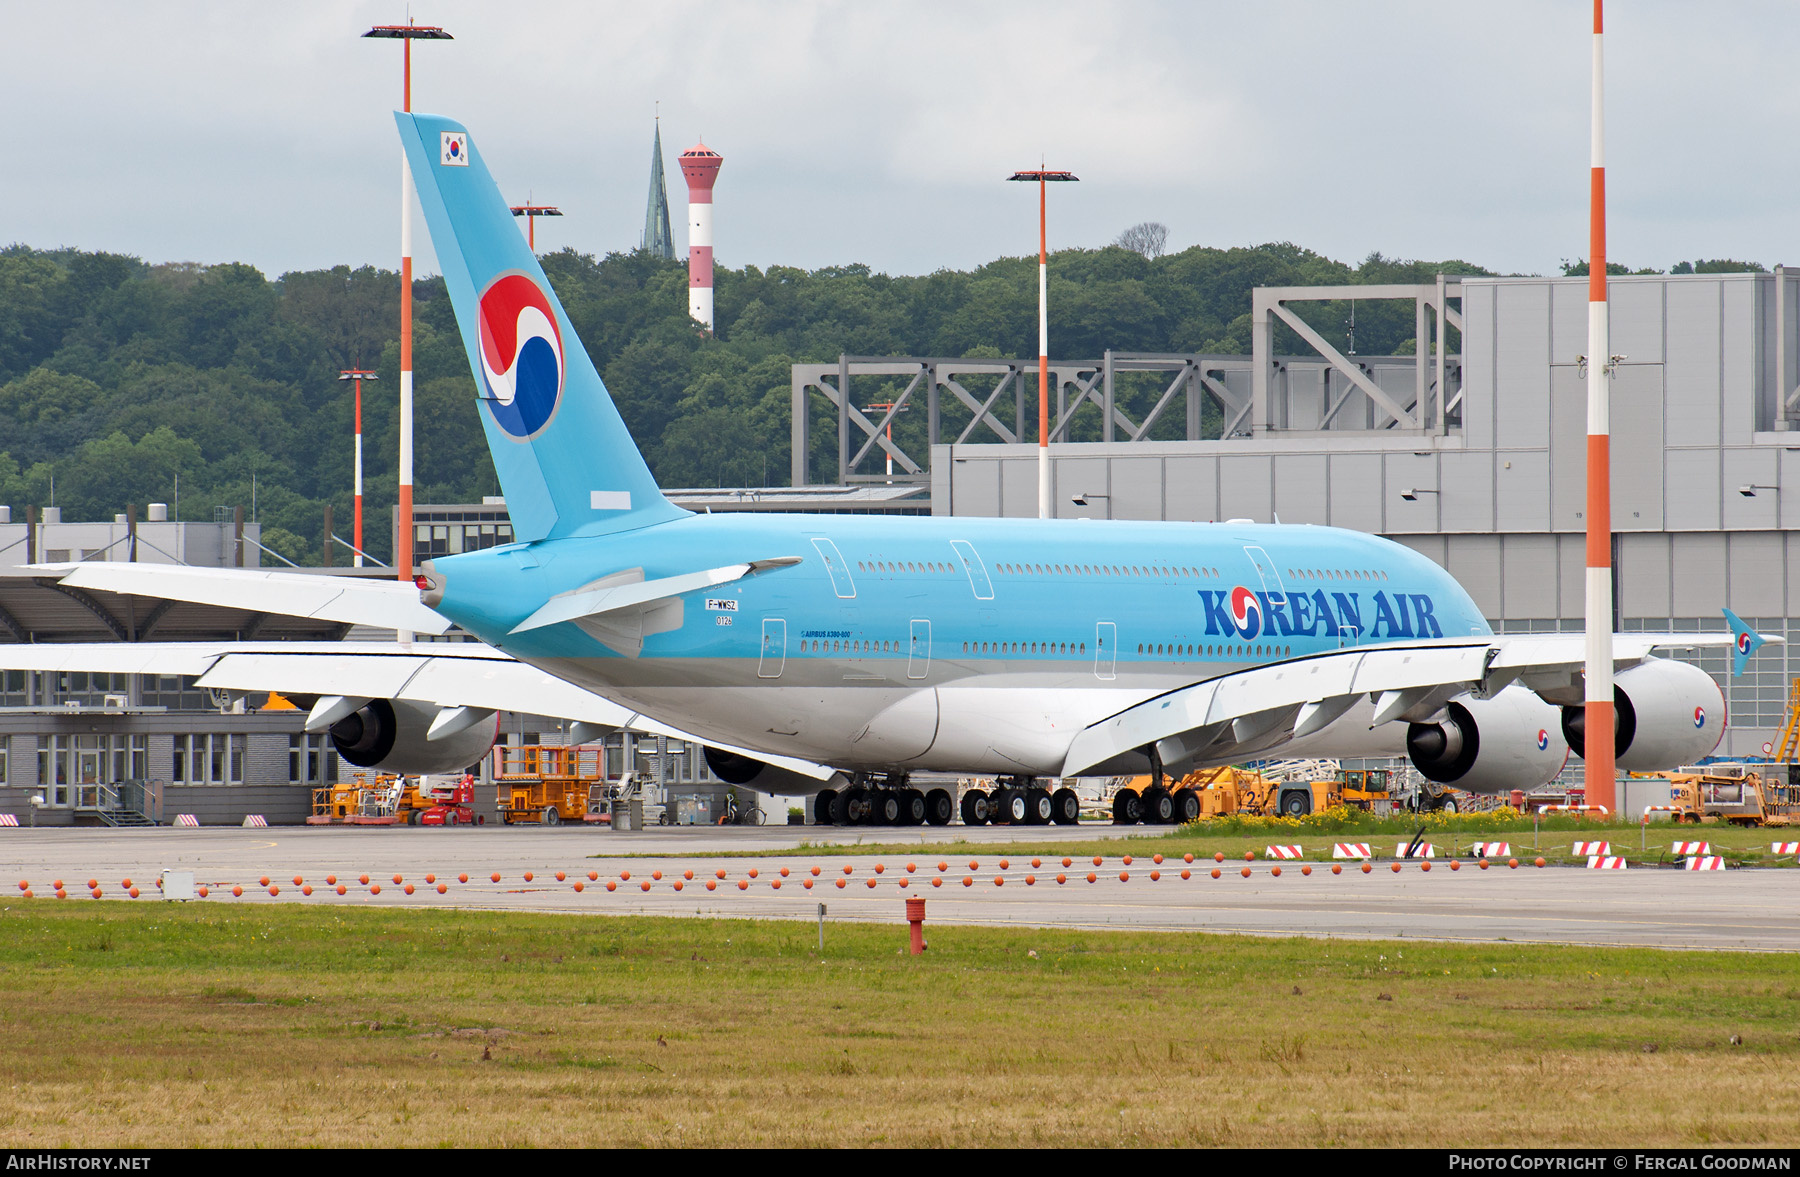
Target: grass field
(1553, 838)
(179, 1026)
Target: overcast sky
(882, 133)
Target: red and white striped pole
(406, 34)
(1043, 176)
(1598, 735)
(1043, 352)
(358, 375)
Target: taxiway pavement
(1740, 909)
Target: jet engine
(1490, 745)
(1665, 714)
(736, 769)
(389, 735)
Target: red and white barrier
(1605, 862)
(1592, 849)
(1491, 849)
(1785, 848)
(187, 819)
(1600, 809)
(1690, 849)
(254, 819)
(9, 819)
(1408, 850)
(1351, 850)
(1704, 862)
(1660, 813)
(1283, 852)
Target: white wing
(385, 604)
(1259, 709)
(446, 674)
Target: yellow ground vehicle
(547, 783)
(1733, 793)
(1220, 792)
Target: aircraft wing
(1255, 710)
(386, 604)
(448, 675)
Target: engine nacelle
(1665, 714)
(736, 769)
(389, 735)
(1490, 745)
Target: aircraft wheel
(912, 807)
(1187, 806)
(1014, 807)
(939, 808)
(976, 809)
(1159, 807)
(1127, 807)
(840, 808)
(885, 807)
(1065, 807)
(858, 809)
(822, 806)
(1038, 807)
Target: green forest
(210, 386)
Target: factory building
(1476, 459)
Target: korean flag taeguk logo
(453, 149)
(1246, 613)
(521, 355)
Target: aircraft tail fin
(566, 462)
(1748, 642)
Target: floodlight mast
(1043, 177)
(406, 34)
(531, 212)
(1598, 719)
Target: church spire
(657, 237)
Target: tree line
(211, 386)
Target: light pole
(359, 375)
(1597, 715)
(406, 34)
(531, 212)
(1043, 177)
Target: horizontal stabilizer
(627, 590)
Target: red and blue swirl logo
(1743, 643)
(1543, 740)
(521, 355)
(1699, 717)
(1246, 613)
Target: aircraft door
(918, 658)
(774, 648)
(841, 584)
(1271, 579)
(1106, 656)
(977, 571)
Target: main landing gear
(872, 800)
(1020, 801)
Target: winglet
(1748, 642)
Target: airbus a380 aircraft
(835, 655)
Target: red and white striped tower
(700, 164)
(1598, 718)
